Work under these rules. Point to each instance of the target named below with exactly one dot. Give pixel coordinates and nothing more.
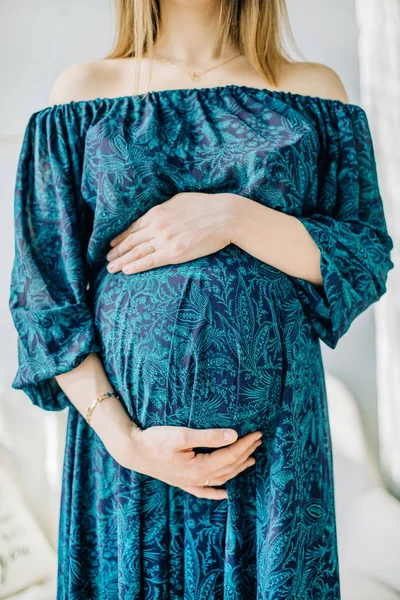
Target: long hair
(257, 27)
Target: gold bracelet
(95, 403)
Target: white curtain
(379, 47)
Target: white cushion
(26, 557)
(367, 515)
(31, 448)
(358, 586)
(44, 591)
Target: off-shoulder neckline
(232, 87)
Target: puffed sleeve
(52, 227)
(347, 223)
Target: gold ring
(152, 249)
(206, 483)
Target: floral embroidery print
(221, 341)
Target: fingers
(219, 479)
(224, 478)
(130, 257)
(209, 438)
(151, 216)
(179, 465)
(201, 466)
(135, 226)
(130, 241)
(206, 492)
(159, 258)
(231, 469)
(205, 464)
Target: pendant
(194, 76)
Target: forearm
(275, 238)
(85, 383)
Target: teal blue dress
(224, 340)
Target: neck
(184, 26)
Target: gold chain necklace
(196, 74)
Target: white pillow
(45, 591)
(359, 586)
(26, 556)
(367, 515)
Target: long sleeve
(347, 222)
(48, 289)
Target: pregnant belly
(196, 344)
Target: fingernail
(111, 267)
(111, 255)
(229, 435)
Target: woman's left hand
(187, 226)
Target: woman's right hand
(166, 453)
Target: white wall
(39, 38)
(326, 32)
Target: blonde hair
(255, 26)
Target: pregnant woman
(182, 245)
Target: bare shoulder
(314, 79)
(85, 81)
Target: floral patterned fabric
(221, 341)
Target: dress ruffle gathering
(224, 340)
